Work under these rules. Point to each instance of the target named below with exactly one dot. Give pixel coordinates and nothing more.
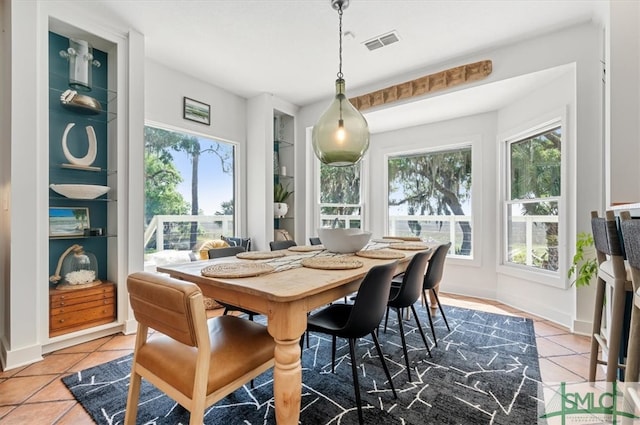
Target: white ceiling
(290, 47)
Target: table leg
(287, 326)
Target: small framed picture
(68, 222)
(196, 111)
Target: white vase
(280, 209)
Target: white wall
(164, 92)
(579, 45)
(475, 277)
(5, 158)
(521, 290)
(623, 102)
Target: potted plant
(280, 195)
(584, 265)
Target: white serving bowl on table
(343, 240)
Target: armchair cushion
(233, 241)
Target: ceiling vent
(382, 40)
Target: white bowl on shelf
(80, 191)
(343, 240)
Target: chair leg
(433, 331)
(404, 343)
(333, 354)
(424, 338)
(226, 310)
(133, 397)
(435, 294)
(597, 322)
(386, 319)
(356, 383)
(384, 363)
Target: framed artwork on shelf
(68, 222)
(196, 111)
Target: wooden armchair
(193, 360)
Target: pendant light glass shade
(341, 135)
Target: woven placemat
(409, 246)
(380, 254)
(236, 270)
(332, 263)
(306, 248)
(259, 255)
(404, 238)
(386, 240)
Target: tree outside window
(189, 184)
(340, 196)
(430, 197)
(533, 195)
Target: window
(189, 189)
(340, 196)
(533, 198)
(430, 197)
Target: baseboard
(12, 359)
(582, 327)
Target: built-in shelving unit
(283, 169)
(71, 127)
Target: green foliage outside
(536, 175)
(162, 179)
(436, 183)
(340, 185)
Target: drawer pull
(61, 321)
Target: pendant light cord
(340, 75)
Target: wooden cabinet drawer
(88, 315)
(62, 309)
(75, 309)
(67, 297)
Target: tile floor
(35, 394)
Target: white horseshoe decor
(86, 160)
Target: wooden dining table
(284, 296)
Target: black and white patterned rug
(485, 371)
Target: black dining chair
(405, 295)
(315, 241)
(432, 278)
(278, 245)
(352, 321)
(230, 252)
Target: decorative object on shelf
(280, 209)
(76, 268)
(343, 240)
(68, 222)
(341, 135)
(94, 231)
(80, 191)
(280, 195)
(80, 57)
(196, 111)
(281, 235)
(92, 150)
(80, 103)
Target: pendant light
(341, 135)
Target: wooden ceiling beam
(428, 84)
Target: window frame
(465, 142)
(238, 211)
(534, 127)
(317, 213)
